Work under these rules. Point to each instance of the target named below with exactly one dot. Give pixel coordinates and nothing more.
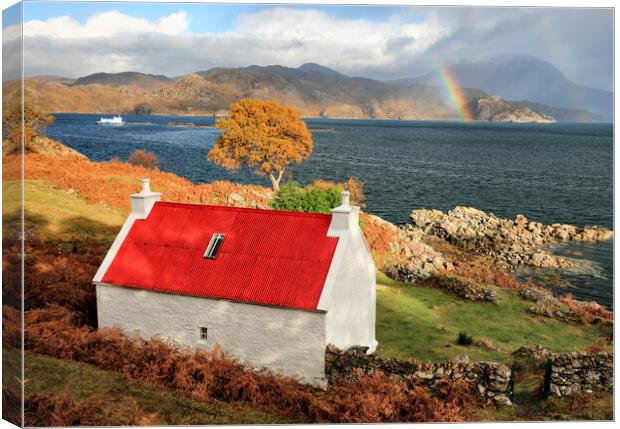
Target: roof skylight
(214, 246)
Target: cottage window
(203, 333)
(214, 246)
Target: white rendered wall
(351, 314)
(286, 341)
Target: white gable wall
(287, 341)
(351, 304)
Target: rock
(533, 351)
(520, 220)
(581, 372)
(465, 289)
(424, 375)
(490, 379)
(462, 359)
(502, 399)
(412, 259)
(235, 199)
(512, 242)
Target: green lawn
(424, 323)
(57, 214)
(166, 407)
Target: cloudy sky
(381, 42)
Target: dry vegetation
(211, 375)
(589, 312)
(110, 183)
(495, 277)
(144, 158)
(46, 409)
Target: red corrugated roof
(267, 257)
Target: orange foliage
(112, 182)
(356, 191)
(263, 135)
(46, 409)
(589, 311)
(378, 235)
(353, 185)
(144, 158)
(490, 276)
(11, 327)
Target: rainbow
(453, 91)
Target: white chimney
(345, 216)
(143, 202)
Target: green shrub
(293, 197)
(464, 339)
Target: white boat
(114, 121)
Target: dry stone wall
(581, 372)
(492, 379)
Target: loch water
(553, 173)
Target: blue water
(549, 172)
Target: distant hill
(47, 78)
(315, 90)
(524, 77)
(563, 115)
(317, 68)
(319, 94)
(125, 78)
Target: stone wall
(581, 372)
(491, 379)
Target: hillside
(72, 219)
(524, 77)
(48, 78)
(315, 90)
(314, 67)
(563, 115)
(141, 80)
(494, 108)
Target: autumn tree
(35, 122)
(263, 135)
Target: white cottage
(273, 288)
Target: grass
(52, 213)
(424, 323)
(123, 397)
(11, 369)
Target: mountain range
(524, 78)
(316, 90)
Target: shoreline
(350, 119)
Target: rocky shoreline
(508, 243)
(513, 242)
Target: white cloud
(577, 41)
(104, 24)
(349, 45)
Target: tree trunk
(275, 181)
